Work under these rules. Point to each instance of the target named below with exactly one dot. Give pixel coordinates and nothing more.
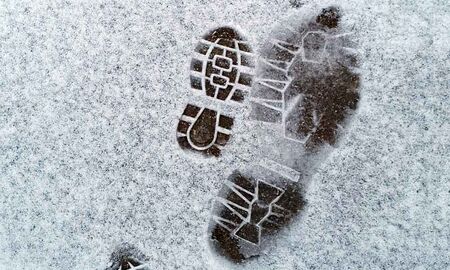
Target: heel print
(203, 130)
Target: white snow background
(90, 95)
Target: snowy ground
(90, 95)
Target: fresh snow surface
(90, 95)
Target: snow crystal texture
(90, 95)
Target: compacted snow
(90, 96)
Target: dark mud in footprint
(221, 69)
(249, 210)
(127, 257)
(306, 80)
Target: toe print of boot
(306, 80)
